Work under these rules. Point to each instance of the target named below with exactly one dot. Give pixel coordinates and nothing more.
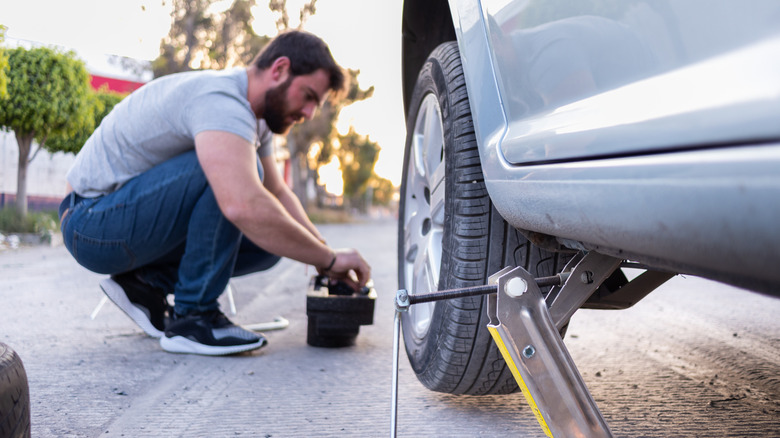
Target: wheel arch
(424, 25)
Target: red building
(118, 85)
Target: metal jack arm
(526, 329)
(532, 347)
(586, 271)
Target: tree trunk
(301, 180)
(317, 191)
(296, 169)
(25, 144)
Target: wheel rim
(424, 211)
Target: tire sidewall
(14, 395)
(432, 79)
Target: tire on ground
(14, 396)
(457, 355)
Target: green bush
(11, 221)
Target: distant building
(114, 84)
(46, 173)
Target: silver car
(539, 131)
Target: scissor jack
(526, 328)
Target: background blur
(364, 36)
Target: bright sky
(364, 35)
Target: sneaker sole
(114, 291)
(180, 344)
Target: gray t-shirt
(159, 121)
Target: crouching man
(177, 191)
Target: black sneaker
(209, 333)
(144, 304)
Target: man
(177, 191)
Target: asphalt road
(694, 359)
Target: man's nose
(309, 110)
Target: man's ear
(280, 69)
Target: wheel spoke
(434, 139)
(416, 210)
(426, 265)
(425, 279)
(415, 217)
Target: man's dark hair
(307, 54)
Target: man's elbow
(243, 213)
(237, 213)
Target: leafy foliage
(320, 130)
(47, 96)
(3, 66)
(283, 19)
(201, 38)
(357, 155)
(382, 190)
(47, 93)
(12, 221)
(102, 102)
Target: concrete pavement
(693, 359)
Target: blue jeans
(166, 226)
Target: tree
(185, 39)
(357, 155)
(283, 21)
(47, 96)
(382, 189)
(102, 102)
(236, 43)
(201, 38)
(320, 130)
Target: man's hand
(349, 267)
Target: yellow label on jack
(515, 372)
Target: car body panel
(671, 159)
(714, 215)
(635, 78)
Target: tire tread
(14, 395)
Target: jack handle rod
(394, 392)
(555, 280)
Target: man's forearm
(293, 206)
(276, 230)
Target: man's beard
(275, 111)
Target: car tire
(14, 395)
(451, 236)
